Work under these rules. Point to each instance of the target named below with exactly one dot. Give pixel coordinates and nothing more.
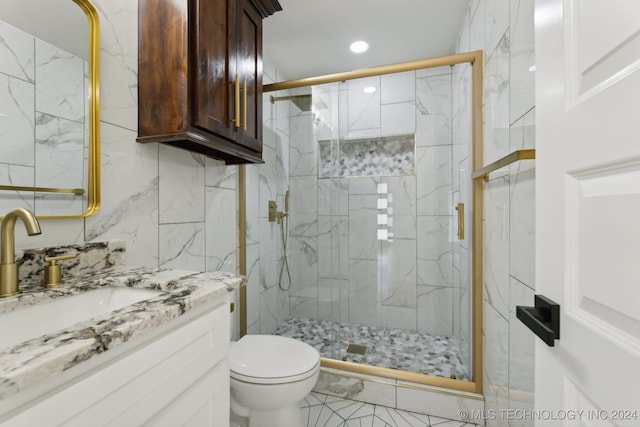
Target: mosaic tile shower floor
(386, 347)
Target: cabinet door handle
(236, 120)
(244, 105)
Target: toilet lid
(272, 359)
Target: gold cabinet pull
(244, 106)
(460, 209)
(236, 119)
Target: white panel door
(588, 209)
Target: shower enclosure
(380, 219)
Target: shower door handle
(460, 209)
(543, 319)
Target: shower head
(303, 102)
(286, 202)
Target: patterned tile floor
(386, 347)
(320, 410)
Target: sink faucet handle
(53, 259)
(52, 272)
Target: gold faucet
(8, 266)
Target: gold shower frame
(476, 62)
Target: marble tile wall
(172, 208)
(503, 29)
(42, 95)
(267, 304)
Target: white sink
(36, 320)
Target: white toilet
(270, 375)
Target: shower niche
(383, 155)
(375, 167)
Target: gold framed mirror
(49, 107)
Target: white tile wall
(130, 189)
(522, 215)
(182, 246)
(398, 88)
(60, 82)
(221, 229)
(433, 109)
(18, 175)
(18, 57)
(303, 149)
(434, 237)
(399, 317)
(497, 244)
(17, 96)
(435, 310)
(253, 285)
(303, 263)
(363, 109)
(496, 360)
(521, 355)
(522, 58)
(181, 186)
(496, 102)
(496, 22)
(504, 30)
(398, 273)
(364, 292)
(398, 118)
(434, 180)
(118, 62)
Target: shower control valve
(274, 214)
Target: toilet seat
(272, 359)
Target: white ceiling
(312, 37)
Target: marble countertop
(43, 357)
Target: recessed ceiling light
(359, 46)
(369, 89)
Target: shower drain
(357, 349)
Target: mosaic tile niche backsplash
(385, 155)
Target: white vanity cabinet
(174, 375)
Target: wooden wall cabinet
(200, 75)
